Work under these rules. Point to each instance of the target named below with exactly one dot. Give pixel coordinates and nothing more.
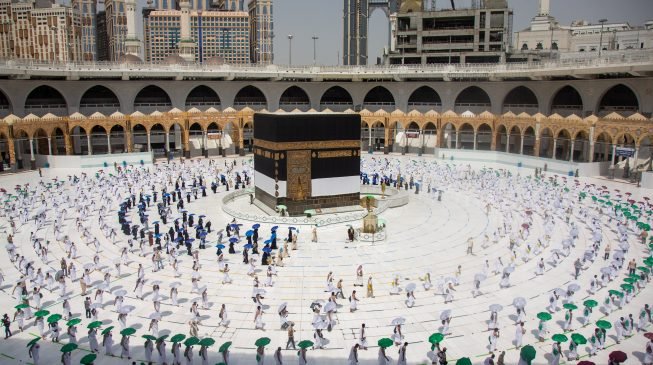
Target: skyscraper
(261, 31)
(355, 23)
(116, 25)
(88, 12)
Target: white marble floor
(424, 236)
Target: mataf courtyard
(472, 260)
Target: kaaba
(307, 161)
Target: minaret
(186, 42)
(544, 8)
(132, 43)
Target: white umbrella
(398, 321)
(496, 308)
(155, 315)
(10, 246)
(96, 305)
(573, 287)
(519, 302)
(89, 266)
(196, 275)
(282, 307)
(120, 293)
(411, 287)
(330, 306)
(260, 291)
(559, 291)
(117, 260)
(445, 314)
(126, 309)
(509, 269)
(175, 284)
(480, 276)
(156, 282)
(103, 286)
(606, 270)
(320, 325)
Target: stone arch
(40, 140)
(474, 99)
(21, 148)
(139, 137)
(79, 138)
(5, 105)
(202, 97)
(250, 96)
(546, 143)
(46, 99)
(117, 137)
(581, 145)
(619, 98)
(196, 140)
(563, 144)
(528, 136)
(484, 137)
(520, 100)
(566, 101)
(294, 97)
(152, 98)
(58, 141)
(500, 135)
(424, 98)
(379, 98)
(514, 139)
(248, 136)
(466, 136)
(449, 135)
(99, 140)
(337, 99)
(99, 98)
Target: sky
(323, 18)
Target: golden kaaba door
(298, 183)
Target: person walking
(291, 337)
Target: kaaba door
(298, 183)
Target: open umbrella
(604, 325)
(385, 343)
(649, 335)
(305, 344)
(618, 356)
(519, 302)
(480, 276)
(330, 306)
(178, 337)
(107, 330)
(21, 306)
(627, 287)
(74, 322)
(573, 287)
(445, 314)
(570, 306)
(225, 346)
(527, 353)
(436, 338)
(149, 337)
(282, 306)
(411, 287)
(128, 331)
(559, 338)
(544, 316)
(69, 347)
(263, 341)
(585, 362)
(464, 361)
(191, 341)
(88, 359)
(42, 313)
(54, 318)
(398, 321)
(578, 338)
(33, 341)
(590, 303)
(206, 342)
(120, 293)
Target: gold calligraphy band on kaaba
(312, 145)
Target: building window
(524, 47)
(554, 46)
(539, 46)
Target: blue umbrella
(267, 249)
(267, 242)
(190, 240)
(155, 222)
(291, 228)
(157, 236)
(183, 211)
(274, 228)
(233, 239)
(248, 246)
(220, 246)
(203, 234)
(191, 214)
(256, 226)
(249, 233)
(179, 239)
(234, 225)
(202, 216)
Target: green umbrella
(385, 342)
(615, 292)
(149, 337)
(630, 280)
(206, 342)
(162, 338)
(527, 353)
(107, 330)
(74, 322)
(559, 338)
(88, 359)
(578, 338)
(95, 324)
(263, 341)
(644, 269)
(627, 287)
(178, 337)
(42, 313)
(225, 346)
(464, 361)
(604, 325)
(544, 316)
(33, 341)
(436, 338)
(128, 331)
(570, 306)
(54, 318)
(21, 306)
(305, 344)
(191, 341)
(590, 303)
(69, 347)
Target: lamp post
(315, 38)
(289, 49)
(602, 21)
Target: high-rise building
(220, 35)
(39, 30)
(88, 13)
(102, 39)
(116, 24)
(194, 5)
(261, 31)
(355, 26)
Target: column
(68, 143)
(88, 143)
(635, 157)
(370, 148)
(536, 147)
(32, 160)
(614, 153)
(457, 138)
(149, 145)
(386, 132)
(167, 142)
(49, 146)
(590, 158)
(493, 143)
(571, 152)
(205, 151)
(521, 144)
(475, 139)
(109, 143)
(12, 153)
(555, 146)
(507, 142)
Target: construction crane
(453, 5)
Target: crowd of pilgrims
(533, 216)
